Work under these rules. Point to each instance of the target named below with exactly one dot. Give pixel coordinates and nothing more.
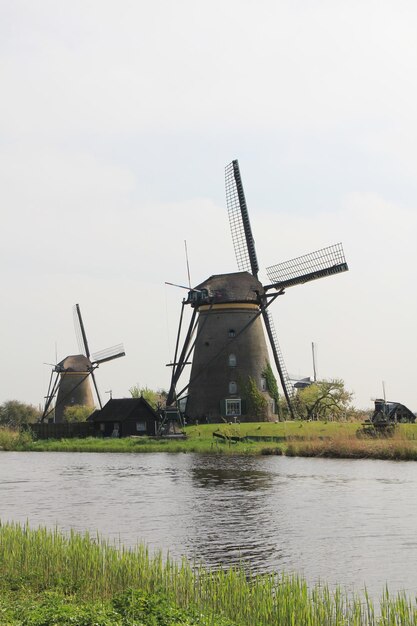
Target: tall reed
(89, 567)
(400, 446)
(14, 439)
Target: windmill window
(263, 384)
(102, 427)
(232, 387)
(141, 427)
(232, 332)
(233, 407)
(232, 360)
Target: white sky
(116, 122)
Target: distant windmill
(69, 381)
(225, 331)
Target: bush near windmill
(15, 414)
(155, 398)
(77, 413)
(324, 400)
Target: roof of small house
(120, 410)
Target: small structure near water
(392, 413)
(125, 417)
(385, 418)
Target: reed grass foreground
(84, 569)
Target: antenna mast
(314, 353)
(188, 265)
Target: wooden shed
(125, 417)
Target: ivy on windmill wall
(271, 383)
(257, 404)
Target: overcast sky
(116, 122)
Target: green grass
(130, 608)
(47, 578)
(327, 439)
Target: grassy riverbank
(48, 578)
(331, 439)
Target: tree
(324, 400)
(155, 398)
(16, 414)
(77, 413)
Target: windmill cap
(235, 287)
(75, 363)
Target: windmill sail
(303, 269)
(243, 241)
(80, 332)
(108, 354)
(286, 383)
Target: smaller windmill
(70, 378)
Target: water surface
(348, 522)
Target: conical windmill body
(70, 378)
(231, 373)
(74, 384)
(230, 352)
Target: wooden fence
(65, 430)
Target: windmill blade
(80, 332)
(182, 287)
(243, 241)
(52, 389)
(303, 269)
(96, 388)
(286, 383)
(178, 366)
(115, 352)
(172, 385)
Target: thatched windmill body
(70, 378)
(231, 374)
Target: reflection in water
(347, 522)
(230, 512)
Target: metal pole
(313, 349)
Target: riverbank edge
(318, 439)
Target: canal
(347, 522)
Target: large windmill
(70, 378)
(230, 373)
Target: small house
(125, 417)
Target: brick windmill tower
(231, 375)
